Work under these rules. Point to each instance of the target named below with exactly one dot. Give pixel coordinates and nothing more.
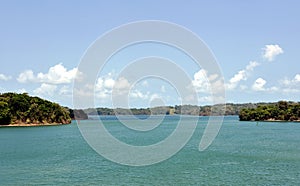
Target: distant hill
(228, 109)
(24, 109)
(78, 114)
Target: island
(280, 111)
(24, 110)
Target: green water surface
(243, 153)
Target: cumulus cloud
(138, 94)
(259, 84)
(57, 74)
(106, 85)
(290, 85)
(45, 90)
(271, 51)
(155, 97)
(26, 76)
(65, 90)
(200, 82)
(297, 78)
(291, 82)
(205, 83)
(241, 75)
(122, 84)
(109, 83)
(4, 77)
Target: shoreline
(33, 125)
(283, 121)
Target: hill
(280, 111)
(230, 109)
(26, 110)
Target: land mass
(280, 111)
(24, 110)
(275, 111)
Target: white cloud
(57, 74)
(4, 77)
(271, 51)
(98, 85)
(241, 75)
(200, 81)
(138, 94)
(297, 78)
(45, 90)
(259, 84)
(109, 83)
(155, 97)
(290, 85)
(122, 84)
(291, 82)
(206, 84)
(26, 76)
(65, 90)
(121, 87)
(105, 85)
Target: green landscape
(25, 110)
(280, 111)
(22, 109)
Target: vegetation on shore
(228, 109)
(280, 111)
(24, 109)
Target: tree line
(282, 111)
(22, 108)
(228, 109)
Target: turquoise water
(242, 154)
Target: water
(242, 154)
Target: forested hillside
(24, 109)
(283, 111)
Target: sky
(254, 42)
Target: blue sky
(254, 42)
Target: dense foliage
(230, 109)
(283, 111)
(22, 108)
